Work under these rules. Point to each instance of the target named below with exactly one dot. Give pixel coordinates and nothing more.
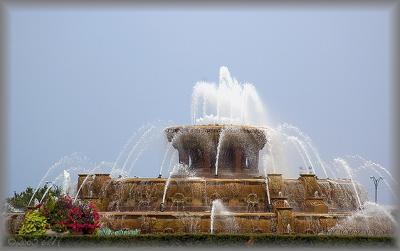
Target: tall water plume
(229, 102)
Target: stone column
(254, 163)
(238, 160)
(206, 161)
(183, 156)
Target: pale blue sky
(85, 80)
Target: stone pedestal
(315, 205)
(312, 202)
(310, 184)
(278, 202)
(275, 185)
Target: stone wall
(170, 222)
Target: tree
(21, 200)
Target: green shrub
(105, 231)
(129, 232)
(34, 224)
(220, 240)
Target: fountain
(217, 175)
(216, 182)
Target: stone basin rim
(215, 127)
(95, 174)
(202, 179)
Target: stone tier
(196, 194)
(237, 146)
(200, 222)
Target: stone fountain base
(303, 205)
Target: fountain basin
(236, 148)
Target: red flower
(83, 218)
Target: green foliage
(55, 210)
(21, 200)
(208, 240)
(34, 224)
(128, 232)
(105, 231)
(61, 214)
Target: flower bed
(60, 214)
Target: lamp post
(376, 183)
